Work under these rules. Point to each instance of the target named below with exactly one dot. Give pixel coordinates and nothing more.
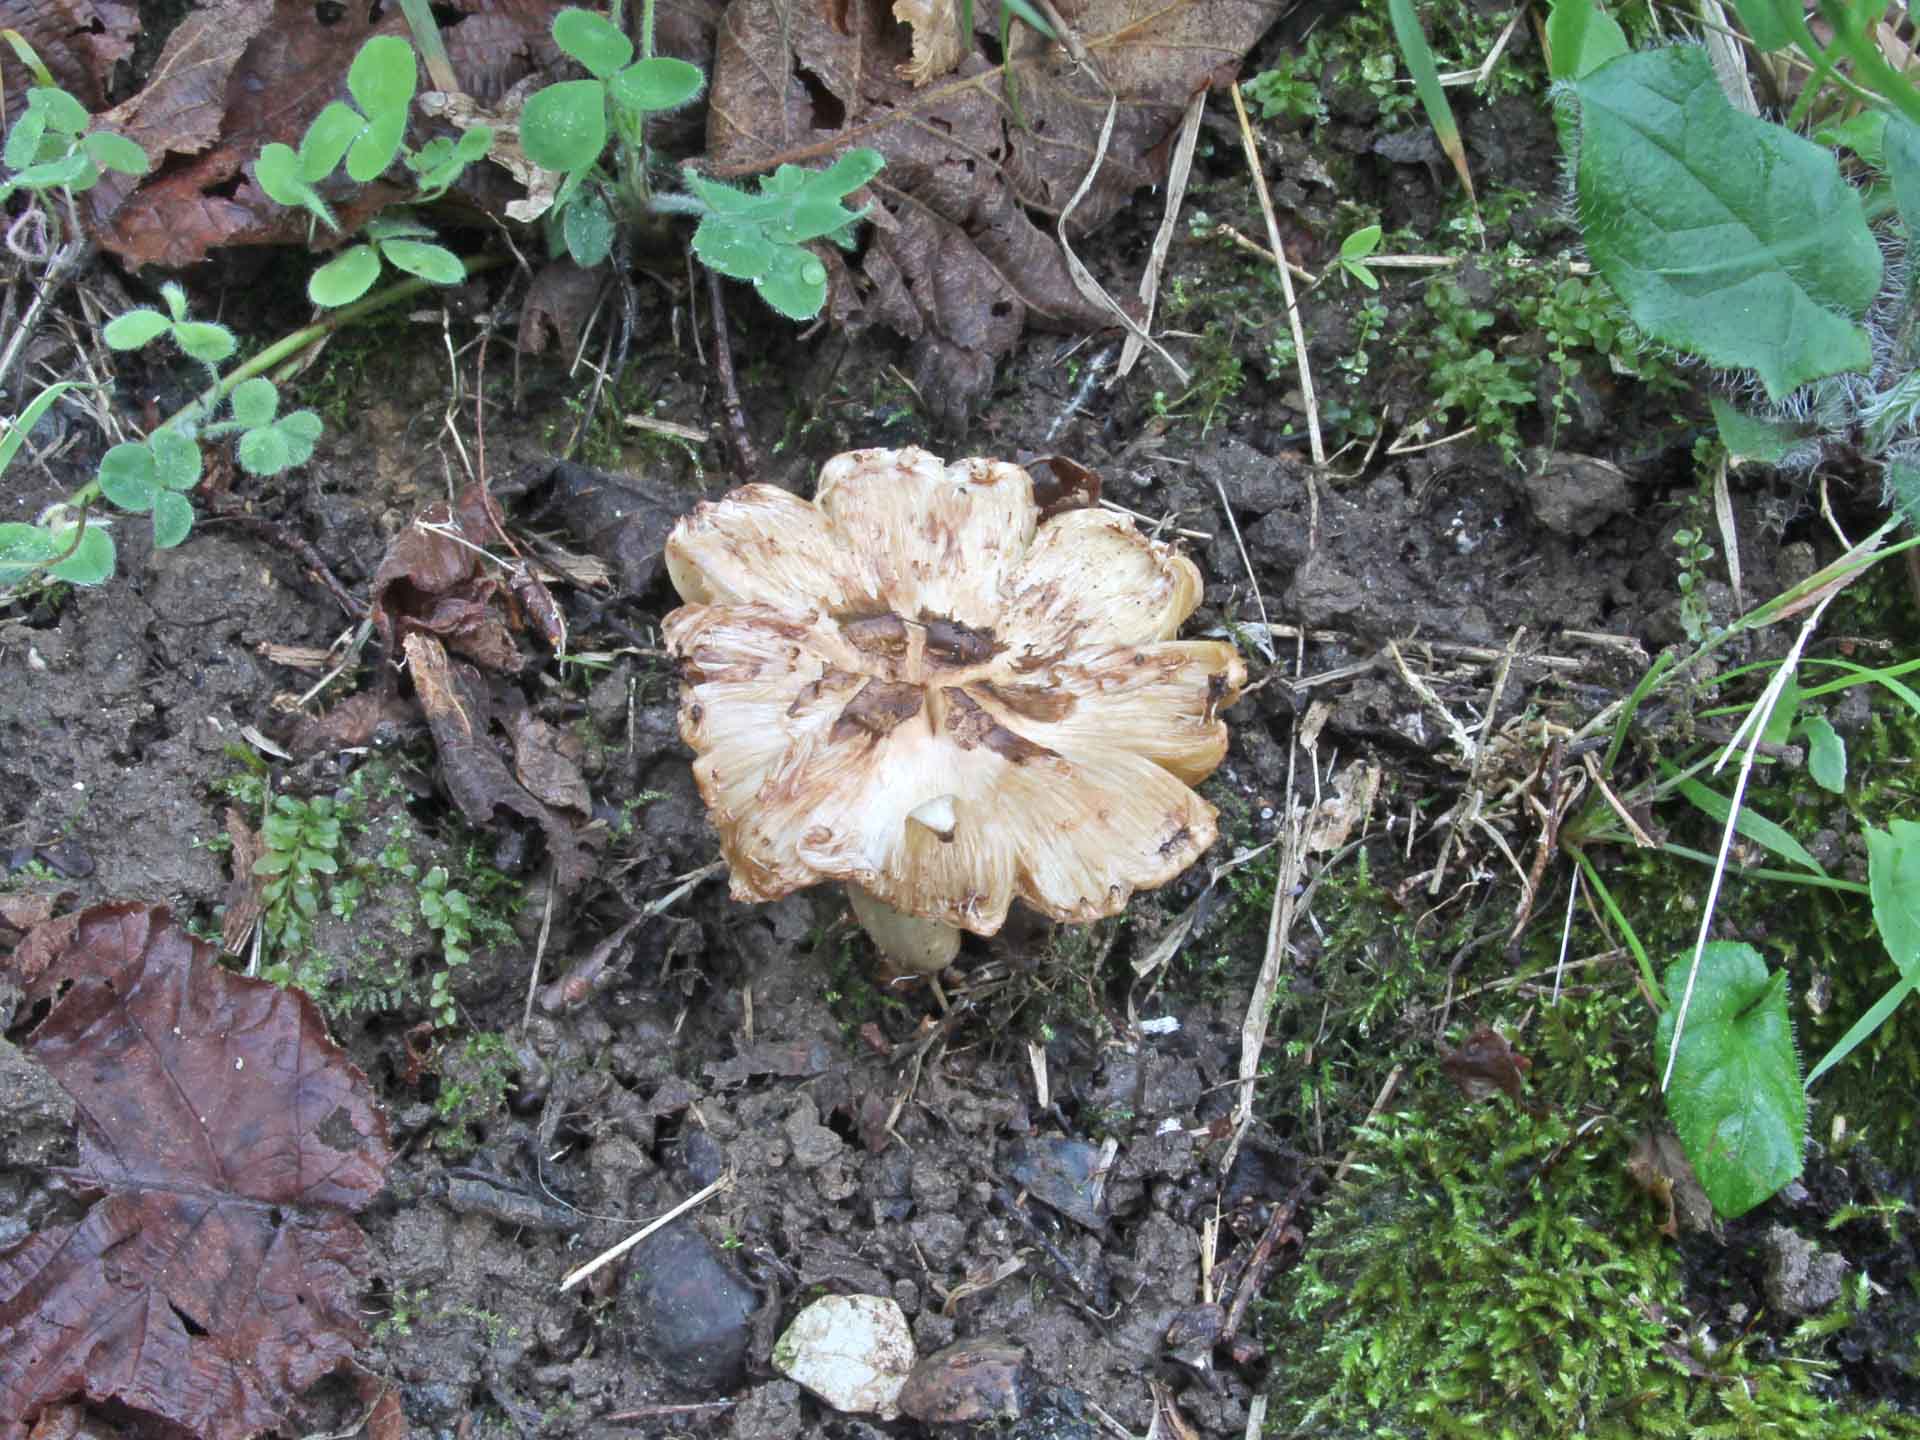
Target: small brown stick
(746, 461)
(1280, 1227)
(1286, 283)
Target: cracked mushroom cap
(914, 685)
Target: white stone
(853, 1351)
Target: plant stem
(208, 400)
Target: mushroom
(916, 686)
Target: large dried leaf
(79, 41)
(241, 74)
(232, 1142)
(956, 261)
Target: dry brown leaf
(1485, 1064)
(1658, 1164)
(232, 1143)
(435, 580)
(455, 702)
(936, 38)
(955, 260)
(79, 41)
(245, 902)
(241, 74)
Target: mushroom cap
(914, 685)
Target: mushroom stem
(920, 947)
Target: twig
(1286, 283)
(608, 1256)
(746, 461)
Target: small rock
(813, 1143)
(1801, 1279)
(981, 1380)
(1061, 1173)
(687, 1310)
(853, 1351)
(1577, 494)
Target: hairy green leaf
(91, 563)
(172, 519)
(430, 262)
(255, 401)
(587, 226)
(345, 278)
(662, 83)
(128, 476)
(564, 127)
(383, 76)
(203, 341)
(115, 152)
(176, 460)
(593, 40)
(1735, 1098)
(1697, 215)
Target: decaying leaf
(240, 74)
(232, 1143)
(79, 41)
(1658, 1164)
(436, 580)
(455, 701)
(937, 47)
(1332, 821)
(955, 260)
(245, 902)
(1485, 1063)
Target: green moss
(1482, 1272)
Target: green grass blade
(17, 431)
(1418, 54)
(1619, 918)
(1862, 1028)
(1755, 826)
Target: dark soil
(873, 1145)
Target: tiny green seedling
(1351, 262)
(51, 148)
(395, 237)
(64, 542)
(565, 128)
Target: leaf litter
(230, 1143)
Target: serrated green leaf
(255, 401)
(593, 40)
(327, 141)
(345, 278)
(587, 226)
(795, 284)
(1696, 215)
(434, 263)
(1865, 134)
(383, 76)
(115, 152)
(205, 342)
(564, 127)
(127, 476)
(172, 519)
(135, 328)
(1826, 754)
(1735, 1097)
(1901, 479)
(376, 147)
(1766, 442)
(738, 250)
(1583, 37)
(662, 83)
